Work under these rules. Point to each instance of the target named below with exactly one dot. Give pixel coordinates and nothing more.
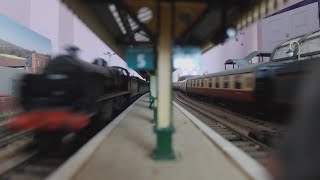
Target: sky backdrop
(21, 36)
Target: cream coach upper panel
(246, 82)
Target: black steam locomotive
(72, 95)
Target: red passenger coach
(238, 85)
(238, 95)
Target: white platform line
(68, 169)
(248, 164)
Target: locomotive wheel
(104, 115)
(106, 112)
(48, 140)
(120, 103)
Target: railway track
(4, 117)
(12, 137)
(263, 131)
(7, 136)
(239, 136)
(17, 160)
(32, 165)
(12, 142)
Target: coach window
(210, 83)
(217, 82)
(237, 82)
(249, 82)
(202, 82)
(226, 82)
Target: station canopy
(257, 54)
(135, 23)
(247, 60)
(238, 62)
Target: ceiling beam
(81, 9)
(124, 18)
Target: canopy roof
(239, 62)
(246, 60)
(135, 23)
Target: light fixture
(109, 54)
(290, 53)
(294, 48)
(232, 32)
(115, 14)
(144, 14)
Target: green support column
(153, 98)
(164, 126)
(153, 91)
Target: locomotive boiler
(72, 95)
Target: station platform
(123, 150)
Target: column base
(164, 150)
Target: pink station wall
(249, 40)
(238, 47)
(245, 42)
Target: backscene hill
(12, 49)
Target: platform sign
(140, 58)
(187, 58)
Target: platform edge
(68, 169)
(250, 166)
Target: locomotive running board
(112, 95)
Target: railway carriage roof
(241, 70)
(309, 43)
(245, 61)
(239, 62)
